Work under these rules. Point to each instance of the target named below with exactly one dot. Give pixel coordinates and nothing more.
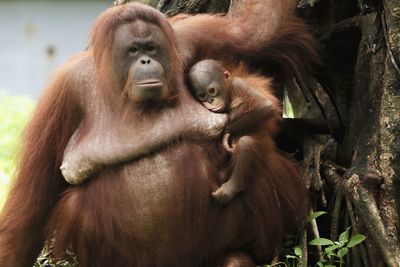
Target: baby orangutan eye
(202, 96)
(212, 91)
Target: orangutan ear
(227, 76)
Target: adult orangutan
(285, 43)
(253, 113)
(156, 210)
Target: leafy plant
(315, 215)
(292, 259)
(335, 251)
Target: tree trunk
(370, 146)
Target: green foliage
(335, 251)
(14, 112)
(292, 259)
(295, 259)
(315, 215)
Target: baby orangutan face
(211, 85)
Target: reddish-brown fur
(189, 229)
(274, 175)
(263, 32)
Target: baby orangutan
(252, 114)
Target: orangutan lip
(216, 109)
(149, 82)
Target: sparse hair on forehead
(102, 35)
(210, 66)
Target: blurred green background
(14, 113)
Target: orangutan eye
(151, 49)
(202, 96)
(212, 91)
(133, 51)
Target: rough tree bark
(370, 105)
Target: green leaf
(339, 244)
(344, 237)
(331, 248)
(320, 264)
(315, 215)
(355, 240)
(330, 254)
(342, 252)
(298, 251)
(321, 242)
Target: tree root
(364, 201)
